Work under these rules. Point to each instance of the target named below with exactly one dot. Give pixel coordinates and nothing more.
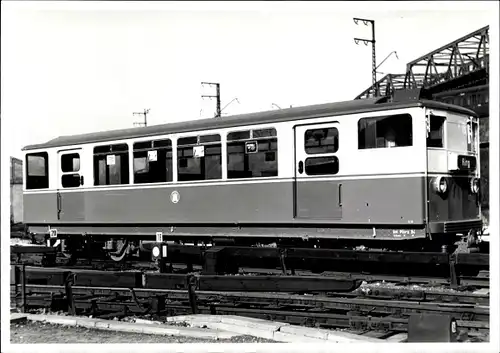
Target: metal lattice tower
(217, 97)
(372, 41)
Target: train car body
(359, 170)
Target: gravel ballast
(39, 332)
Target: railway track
(410, 268)
(375, 293)
(348, 306)
(465, 282)
(354, 313)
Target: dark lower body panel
(391, 201)
(379, 208)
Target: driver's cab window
(435, 135)
(385, 132)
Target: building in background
(16, 190)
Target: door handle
(81, 180)
(59, 206)
(301, 167)
(340, 195)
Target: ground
(35, 332)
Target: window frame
(124, 160)
(318, 157)
(270, 136)
(73, 170)
(336, 141)
(376, 120)
(472, 127)
(73, 176)
(443, 130)
(169, 147)
(189, 145)
(68, 176)
(46, 176)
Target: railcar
(366, 172)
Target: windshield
(462, 135)
(435, 135)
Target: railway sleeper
(464, 312)
(351, 319)
(380, 324)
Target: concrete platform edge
(208, 327)
(277, 331)
(111, 325)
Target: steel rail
(338, 302)
(274, 306)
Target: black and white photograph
(250, 176)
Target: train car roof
(273, 116)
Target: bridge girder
(459, 64)
(455, 61)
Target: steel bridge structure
(457, 69)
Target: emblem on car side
(175, 197)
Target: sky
(77, 67)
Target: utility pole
(145, 113)
(366, 41)
(217, 86)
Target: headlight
(156, 251)
(441, 185)
(474, 185)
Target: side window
(70, 181)
(252, 154)
(70, 165)
(472, 136)
(435, 137)
(111, 165)
(322, 165)
(199, 158)
(385, 132)
(153, 161)
(70, 162)
(325, 140)
(238, 135)
(37, 171)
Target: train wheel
(472, 238)
(48, 260)
(122, 253)
(69, 250)
(68, 253)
